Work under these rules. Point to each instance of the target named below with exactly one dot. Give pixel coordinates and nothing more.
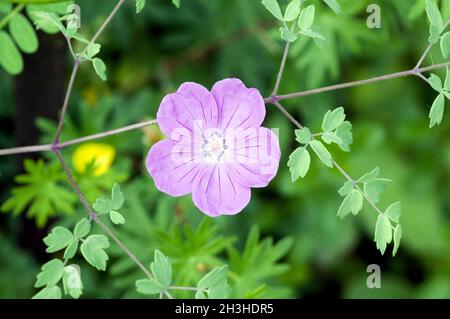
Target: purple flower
(217, 149)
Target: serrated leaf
(93, 250)
(303, 136)
(322, 152)
(344, 132)
(103, 206)
(140, 4)
(162, 269)
(287, 35)
(374, 188)
(331, 137)
(393, 212)
(47, 21)
(370, 176)
(434, 16)
(352, 203)
(82, 228)
(116, 217)
(274, 8)
(117, 197)
(51, 273)
(397, 239)
(292, 11)
(445, 44)
(437, 110)
(383, 232)
(299, 162)
(23, 34)
(100, 68)
(10, 57)
(334, 5)
(306, 19)
(59, 238)
(49, 293)
(72, 281)
(333, 119)
(212, 278)
(346, 188)
(148, 287)
(71, 250)
(435, 82)
(93, 49)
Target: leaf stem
(11, 14)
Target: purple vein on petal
(234, 113)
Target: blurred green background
(288, 242)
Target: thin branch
(93, 216)
(107, 133)
(73, 75)
(26, 149)
(427, 50)
(185, 288)
(356, 83)
(61, 145)
(4, 21)
(281, 70)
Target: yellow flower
(101, 155)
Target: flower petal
(257, 156)
(191, 107)
(173, 167)
(238, 105)
(216, 193)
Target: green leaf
(298, 163)
(313, 34)
(274, 8)
(103, 205)
(100, 68)
(176, 3)
(437, 110)
(331, 137)
(346, 188)
(5, 7)
(303, 136)
(397, 238)
(445, 44)
(306, 19)
(71, 250)
(10, 57)
(93, 49)
(48, 293)
(333, 119)
(140, 4)
(334, 5)
(214, 277)
(59, 238)
(383, 232)
(374, 188)
(148, 287)
(435, 82)
(370, 176)
(116, 217)
(344, 132)
(322, 152)
(219, 291)
(51, 273)
(47, 21)
(434, 34)
(352, 203)
(23, 33)
(200, 295)
(434, 16)
(162, 269)
(72, 281)
(287, 35)
(393, 212)
(93, 251)
(82, 228)
(117, 197)
(292, 11)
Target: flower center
(214, 148)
